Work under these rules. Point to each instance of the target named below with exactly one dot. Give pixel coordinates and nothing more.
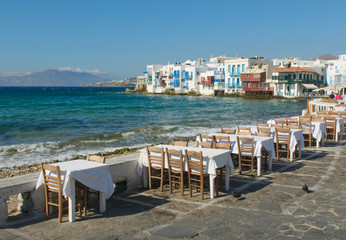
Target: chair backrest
(180, 143)
(223, 145)
(244, 131)
(330, 121)
(52, 178)
(175, 159)
(194, 161)
(342, 114)
(155, 156)
(322, 112)
(305, 125)
(292, 121)
(245, 146)
(224, 139)
(228, 130)
(317, 119)
(283, 135)
(293, 126)
(281, 122)
(262, 125)
(263, 132)
(96, 158)
(205, 144)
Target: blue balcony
(234, 85)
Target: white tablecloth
(94, 175)
(260, 142)
(212, 158)
(340, 108)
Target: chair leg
(190, 187)
(161, 180)
(149, 174)
(182, 183)
(60, 209)
(202, 187)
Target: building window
(243, 68)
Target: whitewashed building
(234, 67)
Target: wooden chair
(292, 121)
(342, 114)
(293, 126)
(180, 143)
(263, 132)
(96, 158)
(196, 173)
(228, 130)
(276, 125)
(225, 146)
(85, 191)
(330, 126)
(206, 138)
(305, 124)
(53, 189)
(317, 119)
(246, 153)
(244, 131)
(175, 169)
(283, 139)
(281, 122)
(262, 125)
(155, 165)
(205, 144)
(219, 139)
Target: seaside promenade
(272, 206)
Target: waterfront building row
(256, 75)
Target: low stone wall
(32, 200)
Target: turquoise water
(40, 124)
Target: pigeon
(305, 188)
(236, 195)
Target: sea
(44, 124)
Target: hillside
(130, 82)
(52, 78)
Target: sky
(121, 37)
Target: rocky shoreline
(22, 170)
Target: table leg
(270, 167)
(145, 176)
(72, 202)
(227, 178)
(102, 202)
(291, 155)
(259, 165)
(300, 150)
(212, 185)
(318, 143)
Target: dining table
(297, 138)
(318, 130)
(94, 175)
(266, 143)
(212, 160)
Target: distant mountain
(128, 82)
(327, 57)
(52, 78)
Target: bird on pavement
(236, 195)
(305, 188)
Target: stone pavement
(273, 206)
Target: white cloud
(94, 71)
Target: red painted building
(255, 83)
